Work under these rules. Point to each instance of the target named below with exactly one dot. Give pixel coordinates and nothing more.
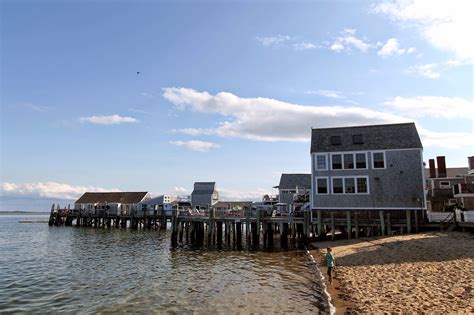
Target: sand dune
(429, 272)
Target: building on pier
(291, 184)
(161, 203)
(116, 203)
(378, 167)
(204, 194)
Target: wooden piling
(382, 222)
(333, 226)
(408, 214)
(389, 225)
(356, 224)
(349, 226)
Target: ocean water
(94, 270)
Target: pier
(254, 227)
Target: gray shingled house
(204, 194)
(377, 167)
(289, 183)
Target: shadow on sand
(423, 247)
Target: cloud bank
(108, 120)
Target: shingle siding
(399, 185)
(377, 137)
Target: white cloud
(392, 47)
(235, 195)
(448, 140)
(108, 120)
(273, 41)
(432, 106)
(304, 46)
(427, 70)
(180, 190)
(447, 25)
(269, 119)
(327, 93)
(48, 190)
(347, 41)
(196, 145)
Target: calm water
(70, 269)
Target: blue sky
(226, 92)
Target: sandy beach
(429, 272)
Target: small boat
(33, 221)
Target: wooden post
(415, 213)
(389, 224)
(382, 223)
(356, 223)
(333, 226)
(349, 225)
(239, 234)
(210, 230)
(408, 221)
(269, 235)
(284, 236)
(320, 229)
(219, 233)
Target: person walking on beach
(330, 263)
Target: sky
(155, 95)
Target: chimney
(432, 168)
(441, 161)
(470, 160)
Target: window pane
(321, 162)
(361, 160)
(337, 186)
(348, 161)
(378, 160)
(349, 185)
(336, 162)
(322, 184)
(362, 185)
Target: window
(336, 161)
(357, 139)
(378, 159)
(361, 160)
(337, 186)
(322, 186)
(335, 140)
(362, 185)
(348, 161)
(444, 185)
(349, 185)
(321, 162)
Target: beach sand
(427, 272)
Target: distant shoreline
(22, 212)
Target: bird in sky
(138, 72)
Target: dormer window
(335, 140)
(357, 139)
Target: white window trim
(441, 186)
(342, 161)
(354, 160)
(344, 185)
(316, 184)
(332, 185)
(316, 162)
(384, 160)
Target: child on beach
(330, 263)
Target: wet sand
(428, 272)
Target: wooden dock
(256, 227)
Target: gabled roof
(290, 181)
(204, 188)
(112, 197)
(375, 137)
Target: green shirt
(329, 260)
